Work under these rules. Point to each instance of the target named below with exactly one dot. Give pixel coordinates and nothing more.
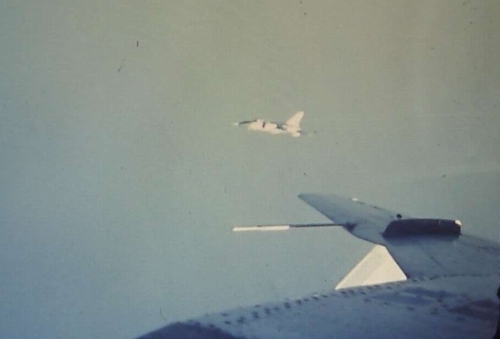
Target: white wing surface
(294, 120)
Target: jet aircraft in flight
(290, 127)
(423, 278)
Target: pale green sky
(121, 172)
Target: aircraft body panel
(435, 307)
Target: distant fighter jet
(291, 126)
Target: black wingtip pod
(410, 227)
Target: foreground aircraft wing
(438, 283)
(421, 247)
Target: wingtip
(304, 196)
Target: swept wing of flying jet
(423, 278)
(290, 127)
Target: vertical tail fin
(294, 120)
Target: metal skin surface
(450, 291)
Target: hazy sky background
(121, 173)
